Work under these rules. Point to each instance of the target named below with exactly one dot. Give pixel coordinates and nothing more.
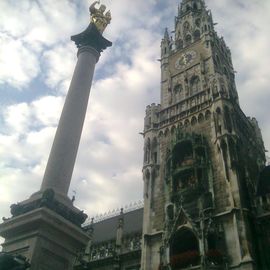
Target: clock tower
(202, 155)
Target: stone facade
(202, 157)
(115, 243)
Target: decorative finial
(98, 17)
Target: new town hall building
(206, 187)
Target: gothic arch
(187, 123)
(160, 134)
(186, 26)
(184, 249)
(188, 39)
(207, 115)
(166, 132)
(173, 130)
(200, 118)
(194, 85)
(194, 121)
(179, 44)
(219, 120)
(197, 34)
(147, 150)
(154, 151)
(147, 181)
(215, 92)
(232, 150)
(228, 120)
(224, 148)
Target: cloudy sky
(37, 60)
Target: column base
(56, 202)
(45, 238)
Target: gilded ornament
(98, 17)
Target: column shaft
(66, 142)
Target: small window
(200, 118)
(177, 88)
(186, 26)
(179, 44)
(197, 35)
(198, 22)
(195, 85)
(193, 121)
(188, 39)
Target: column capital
(91, 37)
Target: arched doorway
(184, 249)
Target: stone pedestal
(46, 239)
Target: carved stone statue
(98, 17)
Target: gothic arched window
(179, 44)
(184, 249)
(188, 39)
(193, 121)
(154, 151)
(177, 88)
(197, 35)
(224, 149)
(200, 118)
(208, 115)
(147, 151)
(228, 121)
(186, 26)
(195, 85)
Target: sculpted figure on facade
(98, 17)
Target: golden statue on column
(98, 17)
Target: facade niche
(195, 85)
(197, 35)
(219, 121)
(153, 182)
(186, 26)
(233, 153)
(184, 249)
(147, 151)
(193, 121)
(200, 118)
(187, 123)
(228, 121)
(177, 88)
(154, 151)
(188, 39)
(179, 44)
(182, 154)
(208, 115)
(224, 149)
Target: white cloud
(18, 64)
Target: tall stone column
(66, 142)
(46, 228)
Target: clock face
(185, 59)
